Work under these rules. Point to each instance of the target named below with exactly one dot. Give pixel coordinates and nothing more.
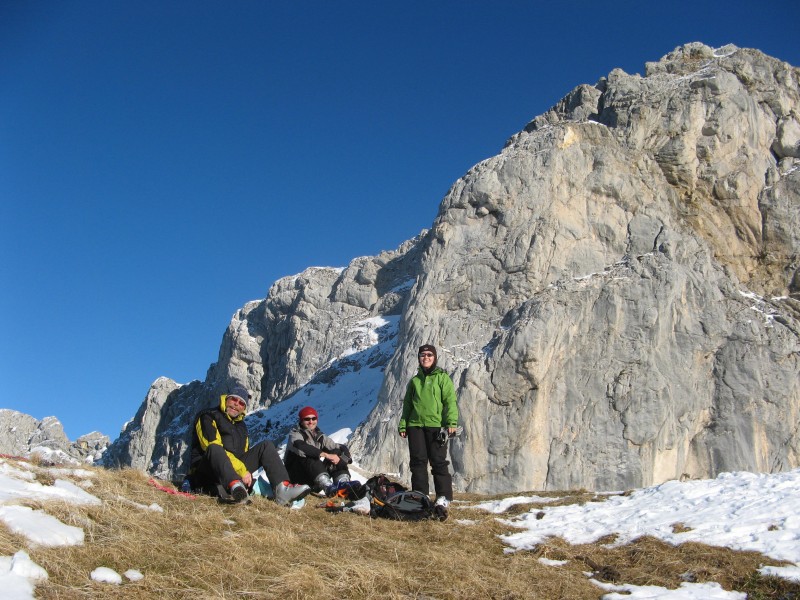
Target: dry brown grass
(199, 549)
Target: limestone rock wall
(616, 295)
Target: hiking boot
(287, 492)
(322, 481)
(441, 508)
(322, 485)
(343, 478)
(238, 490)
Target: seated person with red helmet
(313, 458)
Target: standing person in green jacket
(429, 407)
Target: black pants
(216, 468)
(306, 469)
(423, 448)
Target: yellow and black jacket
(214, 426)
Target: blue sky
(162, 163)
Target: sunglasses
(235, 400)
(309, 418)
(426, 355)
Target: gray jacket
(310, 443)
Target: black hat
(427, 348)
(240, 392)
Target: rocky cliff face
(616, 295)
(309, 331)
(22, 435)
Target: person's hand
(402, 434)
(248, 479)
(333, 458)
(451, 431)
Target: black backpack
(391, 500)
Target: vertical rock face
(617, 290)
(616, 295)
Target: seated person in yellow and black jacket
(221, 453)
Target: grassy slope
(200, 549)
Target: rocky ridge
(616, 295)
(25, 436)
(307, 332)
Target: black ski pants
(307, 469)
(216, 467)
(423, 448)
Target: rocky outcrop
(616, 294)
(304, 332)
(617, 290)
(22, 435)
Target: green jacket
(430, 401)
